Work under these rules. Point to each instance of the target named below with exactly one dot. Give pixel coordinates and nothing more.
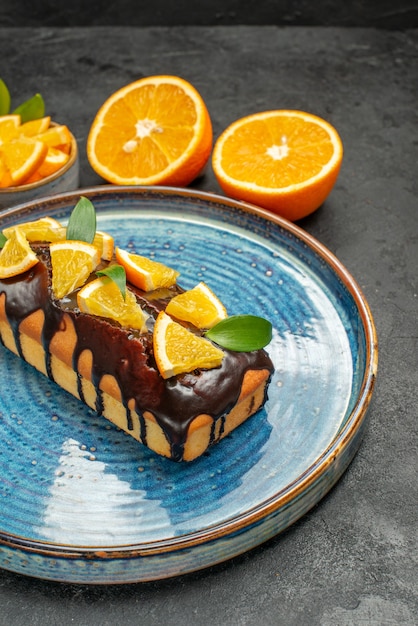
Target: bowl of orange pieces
(37, 158)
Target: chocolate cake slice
(112, 368)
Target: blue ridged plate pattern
(82, 502)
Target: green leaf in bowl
(4, 98)
(31, 109)
(241, 333)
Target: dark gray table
(353, 559)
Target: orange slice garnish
(72, 263)
(105, 243)
(199, 306)
(103, 297)
(45, 229)
(156, 130)
(284, 161)
(16, 256)
(145, 273)
(178, 350)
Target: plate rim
(310, 476)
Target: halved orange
(23, 156)
(72, 263)
(16, 256)
(154, 131)
(199, 306)
(285, 161)
(44, 229)
(178, 350)
(144, 272)
(103, 297)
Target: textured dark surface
(353, 559)
(371, 13)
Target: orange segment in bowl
(177, 350)
(34, 127)
(16, 256)
(54, 160)
(9, 127)
(145, 273)
(284, 161)
(57, 136)
(156, 130)
(23, 156)
(6, 179)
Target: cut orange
(72, 263)
(23, 156)
(5, 176)
(56, 136)
(284, 161)
(145, 273)
(34, 127)
(178, 350)
(105, 243)
(9, 127)
(103, 297)
(154, 131)
(55, 159)
(199, 306)
(16, 256)
(33, 178)
(45, 229)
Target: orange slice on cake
(178, 350)
(72, 263)
(16, 256)
(199, 306)
(145, 273)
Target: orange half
(284, 161)
(154, 131)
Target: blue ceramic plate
(82, 502)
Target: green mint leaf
(82, 222)
(3, 240)
(31, 109)
(117, 274)
(4, 98)
(241, 333)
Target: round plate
(82, 502)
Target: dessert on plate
(166, 365)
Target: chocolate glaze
(128, 356)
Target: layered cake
(113, 368)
